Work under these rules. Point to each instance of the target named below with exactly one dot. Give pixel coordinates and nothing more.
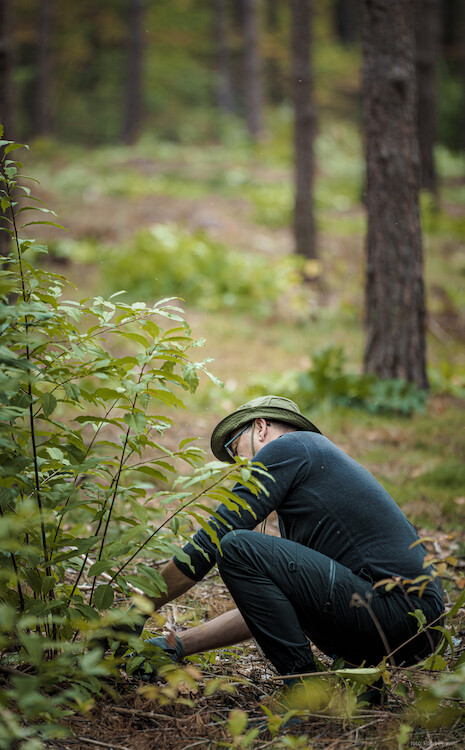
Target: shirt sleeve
(284, 460)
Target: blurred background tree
(395, 305)
(72, 62)
(132, 114)
(304, 126)
(230, 71)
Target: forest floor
(403, 453)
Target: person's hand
(168, 648)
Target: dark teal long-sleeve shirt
(328, 502)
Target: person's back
(341, 534)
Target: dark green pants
(288, 593)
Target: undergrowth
(92, 489)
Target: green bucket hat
(269, 407)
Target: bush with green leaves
(327, 380)
(208, 276)
(91, 489)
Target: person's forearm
(176, 583)
(224, 630)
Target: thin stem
(89, 447)
(18, 582)
(31, 412)
(194, 499)
(113, 499)
(359, 602)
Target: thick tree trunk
(304, 127)
(132, 114)
(395, 308)
(273, 68)
(427, 27)
(462, 72)
(224, 87)
(6, 51)
(6, 98)
(41, 112)
(252, 69)
(347, 20)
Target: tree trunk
(347, 20)
(41, 112)
(132, 115)
(252, 70)
(6, 98)
(274, 73)
(304, 127)
(427, 29)
(6, 51)
(224, 87)
(395, 307)
(462, 71)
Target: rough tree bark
(427, 34)
(395, 307)
(304, 127)
(6, 97)
(132, 114)
(347, 20)
(224, 86)
(273, 68)
(41, 111)
(6, 51)
(252, 70)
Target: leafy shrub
(88, 391)
(327, 380)
(169, 260)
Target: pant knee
(231, 544)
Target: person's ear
(262, 428)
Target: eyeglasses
(229, 450)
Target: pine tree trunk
(132, 115)
(252, 70)
(395, 307)
(427, 25)
(224, 87)
(462, 71)
(6, 97)
(304, 127)
(347, 20)
(273, 69)
(42, 125)
(6, 91)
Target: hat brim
(239, 418)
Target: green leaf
(174, 523)
(101, 566)
(14, 146)
(151, 472)
(104, 596)
(435, 663)
(139, 511)
(361, 675)
(49, 223)
(420, 618)
(237, 721)
(206, 527)
(455, 608)
(137, 338)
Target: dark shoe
(376, 694)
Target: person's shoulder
(304, 438)
(294, 443)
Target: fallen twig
(141, 714)
(103, 744)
